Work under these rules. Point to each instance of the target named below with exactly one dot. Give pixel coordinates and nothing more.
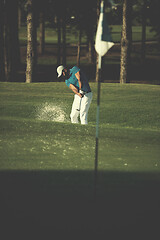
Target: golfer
(77, 81)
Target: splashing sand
(50, 112)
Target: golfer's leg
(74, 112)
(85, 104)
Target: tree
(79, 47)
(42, 7)
(64, 38)
(34, 32)
(29, 68)
(126, 41)
(42, 32)
(59, 40)
(2, 66)
(154, 17)
(144, 19)
(19, 14)
(12, 50)
(89, 27)
(31, 60)
(97, 56)
(140, 17)
(90, 45)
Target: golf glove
(82, 93)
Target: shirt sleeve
(75, 69)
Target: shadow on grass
(62, 203)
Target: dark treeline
(63, 14)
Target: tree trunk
(12, 50)
(42, 33)
(90, 50)
(2, 68)
(29, 67)
(126, 41)
(143, 47)
(35, 18)
(15, 34)
(97, 56)
(19, 16)
(64, 40)
(59, 40)
(7, 50)
(90, 46)
(79, 48)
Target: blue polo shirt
(73, 80)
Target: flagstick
(103, 43)
(97, 126)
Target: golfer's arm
(78, 76)
(75, 90)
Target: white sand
(50, 112)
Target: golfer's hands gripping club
(82, 93)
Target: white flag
(103, 40)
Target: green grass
(47, 163)
(32, 136)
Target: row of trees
(59, 13)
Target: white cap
(59, 70)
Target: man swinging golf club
(77, 81)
